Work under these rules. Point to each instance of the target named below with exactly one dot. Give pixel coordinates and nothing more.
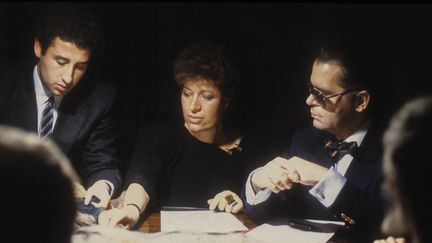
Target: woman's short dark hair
(211, 62)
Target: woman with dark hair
(195, 163)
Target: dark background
(273, 42)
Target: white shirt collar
(39, 88)
(359, 135)
(42, 93)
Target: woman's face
(202, 106)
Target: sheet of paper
(284, 233)
(200, 221)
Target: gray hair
(406, 166)
(38, 184)
(20, 141)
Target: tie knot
(50, 100)
(337, 149)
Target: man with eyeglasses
(332, 169)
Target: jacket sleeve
(100, 155)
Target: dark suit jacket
(360, 198)
(84, 129)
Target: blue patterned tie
(47, 119)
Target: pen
(303, 226)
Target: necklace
(235, 148)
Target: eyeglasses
(321, 98)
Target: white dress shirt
(42, 96)
(326, 190)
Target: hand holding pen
(226, 201)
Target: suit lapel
(371, 147)
(23, 110)
(72, 117)
(369, 154)
(321, 153)
(69, 122)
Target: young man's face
(62, 66)
(201, 104)
(332, 114)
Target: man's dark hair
(71, 24)
(360, 61)
(211, 62)
(407, 147)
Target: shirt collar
(41, 91)
(359, 135)
(39, 87)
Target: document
(200, 221)
(288, 234)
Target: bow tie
(337, 149)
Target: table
(152, 225)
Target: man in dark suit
(49, 99)
(320, 176)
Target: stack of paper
(200, 221)
(285, 233)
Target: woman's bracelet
(133, 204)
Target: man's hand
(274, 176)
(226, 201)
(310, 173)
(125, 218)
(280, 174)
(100, 190)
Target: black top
(176, 169)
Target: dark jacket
(84, 129)
(360, 198)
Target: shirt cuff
(327, 190)
(251, 197)
(111, 187)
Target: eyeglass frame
(321, 98)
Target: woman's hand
(226, 201)
(125, 217)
